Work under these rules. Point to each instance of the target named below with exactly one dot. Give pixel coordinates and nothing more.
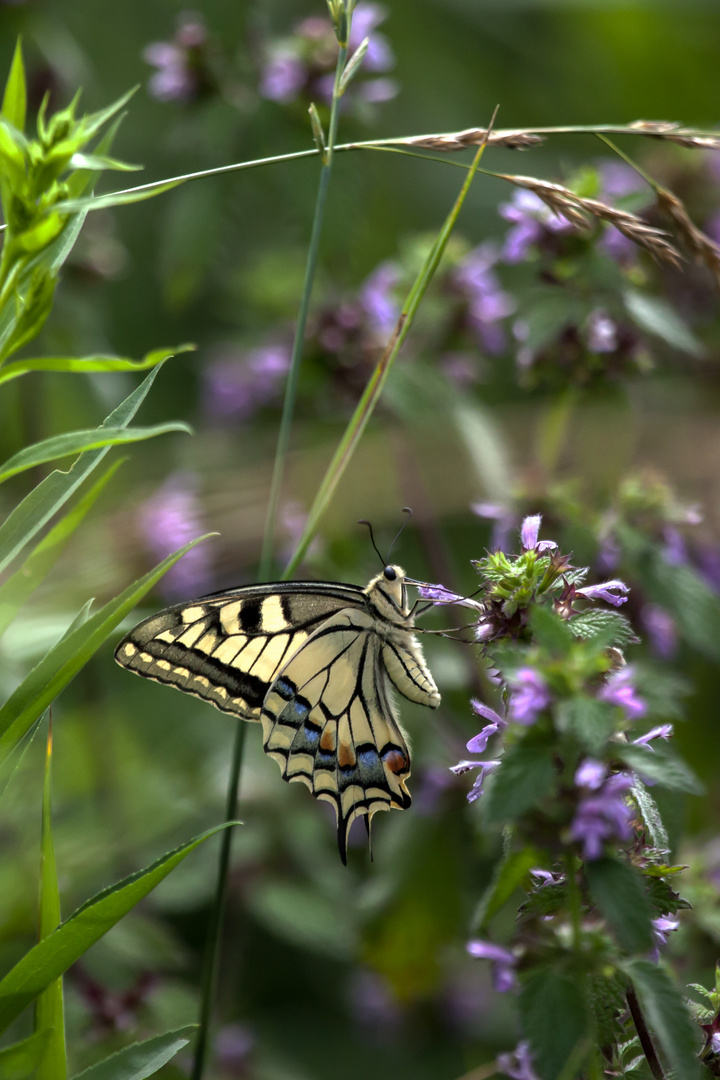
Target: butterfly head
(389, 592)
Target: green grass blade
(15, 96)
(123, 198)
(12, 763)
(52, 493)
(48, 678)
(141, 1059)
(21, 1060)
(51, 957)
(84, 365)
(16, 590)
(76, 442)
(49, 1012)
(374, 388)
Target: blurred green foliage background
(328, 971)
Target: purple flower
(619, 690)
(377, 299)
(168, 520)
(601, 333)
(675, 550)
(233, 1046)
(282, 78)
(663, 926)
(715, 1043)
(661, 630)
(518, 1064)
(529, 696)
(438, 594)
(603, 815)
(531, 220)
(478, 744)
(503, 961)
(181, 74)
(612, 592)
(237, 386)
(529, 536)
(619, 179)
(591, 774)
(365, 18)
(663, 731)
(504, 519)
(465, 766)
(487, 303)
(374, 1004)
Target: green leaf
(91, 124)
(605, 627)
(590, 721)
(550, 631)
(555, 1022)
(525, 776)
(509, 875)
(141, 1059)
(618, 891)
(658, 765)
(74, 442)
(651, 816)
(121, 198)
(64, 660)
(99, 162)
(21, 1060)
(15, 97)
(49, 1011)
(665, 1012)
(84, 365)
(12, 763)
(657, 317)
(52, 493)
(51, 957)
(17, 588)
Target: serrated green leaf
(21, 1060)
(657, 765)
(75, 442)
(85, 365)
(17, 588)
(657, 317)
(53, 956)
(550, 631)
(651, 816)
(618, 891)
(590, 721)
(665, 1012)
(64, 660)
(509, 875)
(525, 776)
(142, 1059)
(52, 493)
(15, 97)
(555, 1022)
(604, 627)
(49, 1010)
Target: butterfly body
(316, 664)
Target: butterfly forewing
(227, 648)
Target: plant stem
(210, 961)
(374, 387)
(644, 1036)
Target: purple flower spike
(603, 815)
(518, 1064)
(619, 690)
(529, 532)
(503, 962)
(529, 696)
(612, 592)
(663, 731)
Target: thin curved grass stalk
(374, 388)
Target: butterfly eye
(390, 573)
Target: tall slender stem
(283, 442)
(210, 962)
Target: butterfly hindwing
(328, 721)
(227, 648)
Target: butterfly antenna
(405, 510)
(372, 540)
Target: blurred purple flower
(518, 1064)
(503, 961)
(282, 77)
(619, 690)
(531, 220)
(603, 815)
(376, 91)
(181, 72)
(529, 696)
(460, 368)
(675, 550)
(168, 519)
(601, 332)
(237, 386)
(591, 774)
(661, 630)
(505, 521)
(432, 782)
(465, 766)
(662, 926)
(377, 299)
(618, 179)
(233, 1047)
(373, 1003)
(612, 592)
(487, 303)
(715, 1043)
(662, 731)
(365, 19)
(618, 246)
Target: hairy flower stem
(266, 556)
(644, 1036)
(210, 962)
